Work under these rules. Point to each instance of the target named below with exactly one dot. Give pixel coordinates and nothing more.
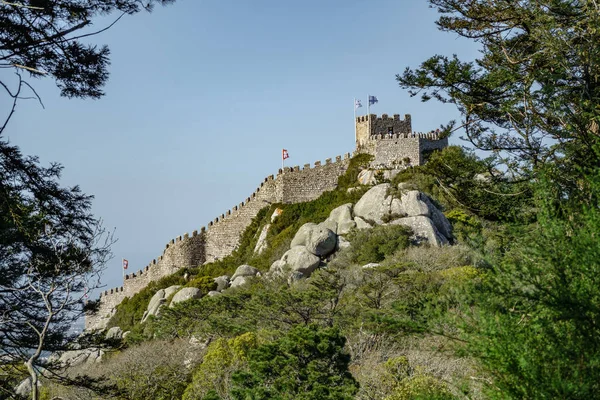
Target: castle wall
(392, 152)
(307, 184)
(222, 235)
(291, 185)
(369, 125)
(434, 143)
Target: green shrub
(131, 310)
(350, 178)
(374, 245)
(204, 283)
(222, 358)
(421, 387)
(309, 362)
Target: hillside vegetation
(423, 323)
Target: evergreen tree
(308, 363)
(533, 96)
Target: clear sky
(203, 95)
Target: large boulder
(261, 243)
(341, 218)
(321, 241)
(245, 270)
(317, 239)
(277, 268)
(423, 229)
(361, 223)
(439, 219)
(374, 204)
(186, 294)
(369, 176)
(239, 281)
(73, 358)
(298, 258)
(171, 290)
(155, 303)
(415, 203)
(114, 333)
(158, 300)
(302, 235)
(222, 282)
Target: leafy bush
(421, 387)
(308, 363)
(131, 310)
(204, 283)
(222, 358)
(350, 178)
(373, 245)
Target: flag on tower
(125, 264)
(373, 100)
(357, 104)
(284, 154)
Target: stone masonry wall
(291, 185)
(393, 150)
(307, 184)
(369, 125)
(222, 235)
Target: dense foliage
(510, 311)
(51, 253)
(307, 363)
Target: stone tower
(393, 143)
(368, 126)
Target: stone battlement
(221, 236)
(391, 141)
(383, 118)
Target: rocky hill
(362, 266)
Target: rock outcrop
(114, 333)
(299, 259)
(374, 204)
(222, 282)
(317, 239)
(158, 300)
(186, 294)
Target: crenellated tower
(392, 141)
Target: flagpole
(369, 115)
(355, 137)
(123, 269)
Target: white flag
(357, 104)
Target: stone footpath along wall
(222, 235)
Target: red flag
(284, 154)
(125, 264)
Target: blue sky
(203, 95)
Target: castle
(389, 139)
